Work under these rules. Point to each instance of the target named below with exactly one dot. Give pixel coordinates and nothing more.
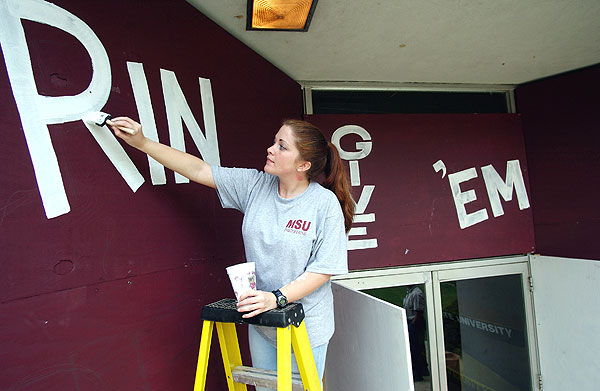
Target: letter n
(178, 111)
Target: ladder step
(262, 377)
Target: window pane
(485, 334)
(412, 299)
(398, 102)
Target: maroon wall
(108, 296)
(413, 206)
(562, 138)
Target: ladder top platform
(225, 310)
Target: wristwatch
(280, 298)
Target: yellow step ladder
(291, 331)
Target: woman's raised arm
(190, 166)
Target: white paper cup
(242, 277)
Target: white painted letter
(364, 148)
(141, 94)
(178, 110)
(354, 173)
(365, 197)
(38, 111)
(461, 198)
(496, 186)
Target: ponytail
(337, 181)
(324, 159)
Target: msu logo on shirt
(299, 227)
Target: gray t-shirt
(287, 237)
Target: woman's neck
(291, 187)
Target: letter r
(37, 111)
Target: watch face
(281, 299)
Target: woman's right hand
(137, 139)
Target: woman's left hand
(256, 302)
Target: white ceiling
(426, 41)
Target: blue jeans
(264, 355)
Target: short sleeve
(330, 252)
(420, 303)
(235, 185)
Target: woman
(293, 227)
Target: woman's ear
(304, 166)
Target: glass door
(484, 338)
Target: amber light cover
(290, 15)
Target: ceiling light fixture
(280, 15)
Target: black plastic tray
(225, 310)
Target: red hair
(324, 159)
